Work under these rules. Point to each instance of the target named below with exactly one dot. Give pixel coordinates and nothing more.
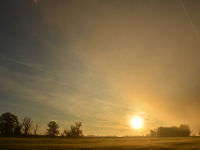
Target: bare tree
(27, 125)
(36, 128)
(154, 132)
(75, 131)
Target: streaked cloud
(101, 63)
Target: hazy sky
(101, 62)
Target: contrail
(188, 16)
(30, 65)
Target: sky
(101, 62)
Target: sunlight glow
(137, 122)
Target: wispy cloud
(35, 66)
(103, 67)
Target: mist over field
(102, 143)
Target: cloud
(35, 66)
(107, 62)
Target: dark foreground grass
(141, 143)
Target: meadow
(137, 143)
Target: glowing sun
(137, 122)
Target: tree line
(10, 126)
(181, 131)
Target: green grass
(141, 143)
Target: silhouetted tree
(67, 133)
(53, 129)
(9, 125)
(17, 131)
(182, 130)
(74, 131)
(154, 132)
(27, 125)
(36, 129)
(185, 130)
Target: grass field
(140, 143)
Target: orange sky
(101, 63)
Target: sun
(137, 122)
